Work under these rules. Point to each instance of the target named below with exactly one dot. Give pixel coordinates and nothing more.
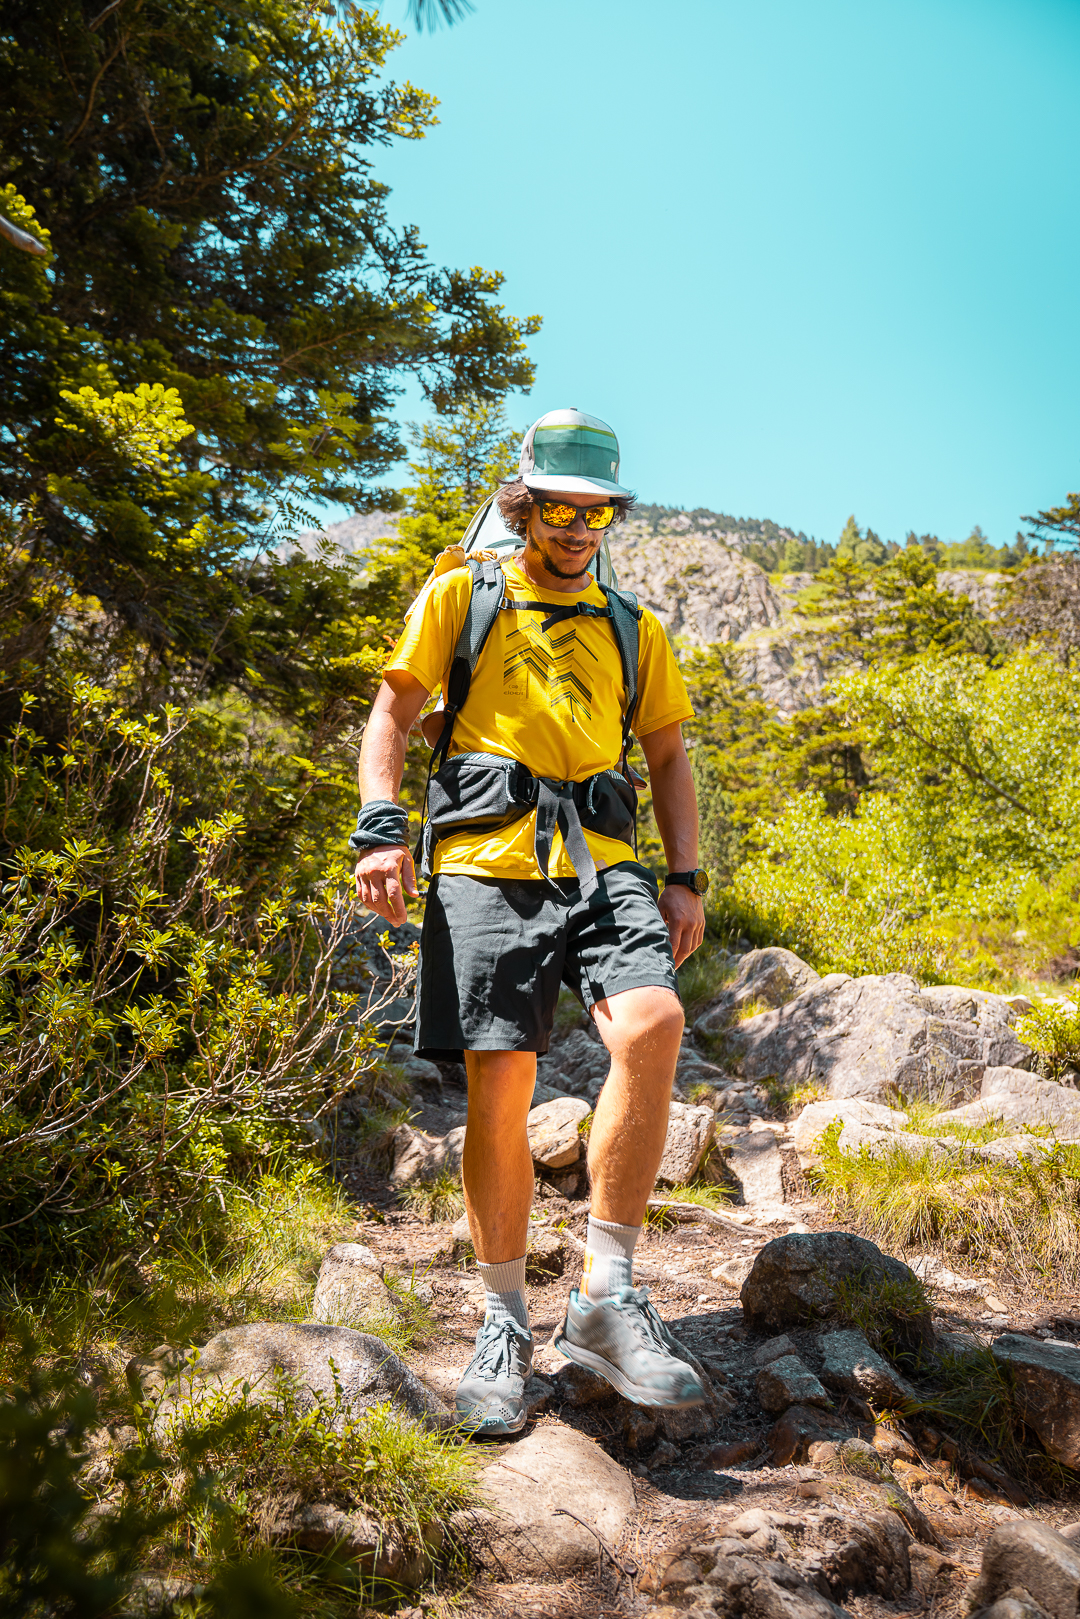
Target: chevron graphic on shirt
(561, 665)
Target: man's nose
(578, 529)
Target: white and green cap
(570, 451)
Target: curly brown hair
(516, 501)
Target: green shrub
(1052, 1030)
(64, 1553)
(164, 1028)
(304, 1445)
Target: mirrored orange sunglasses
(560, 514)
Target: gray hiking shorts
(494, 952)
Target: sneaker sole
(611, 1373)
(500, 1429)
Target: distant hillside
(706, 576)
(771, 545)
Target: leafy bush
(165, 1028)
(832, 889)
(313, 1447)
(66, 1554)
(1053, 1031)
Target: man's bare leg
(496, 1166)
(609, 1327)
(497, 1175)
(642, 1029)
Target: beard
(552, 567)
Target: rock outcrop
(554, 1131)
(872, 1038)
(689, 1136)
(699, 588)
(1009, 1096)
(263, 1353)
(769, 977)
(350, 1286)
(795, 1278)
(548, 1501)
(852, 1367)
(1046, 1378)
(1029, 1560)
(350, 1537)
(419, 1156)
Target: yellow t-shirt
(554, 701)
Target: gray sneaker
(491, 1395)
(624, 1340)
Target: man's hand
(684, 913)
(381, 877)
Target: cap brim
(564, 483)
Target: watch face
(699, 882)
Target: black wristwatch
(697, 880)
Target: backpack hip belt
(483, 791)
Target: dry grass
(702, 977)
(1025, 1216)
(435, 1200)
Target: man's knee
(652, 1014)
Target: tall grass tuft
(1025, 1215)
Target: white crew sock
(609, 1258)
(504, 1288)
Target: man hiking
(523, 899)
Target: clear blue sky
(807, 259)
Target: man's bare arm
(675, 808)
(382, 873)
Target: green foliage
(62, 1552)
(718, 841)
(974, 1396)
(54, 1557)
(460, 458)
(853, 546)
(923, 1120)
(215, 337)
(860, 612)
(167, 1018)
(199, 1497)
(303, 1443)
(1052, 1030)
(972, 814)
(982, 767)
(833, 890)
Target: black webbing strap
(555, 615)
(556, 807)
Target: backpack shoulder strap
(485, 600)
(625, 614)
